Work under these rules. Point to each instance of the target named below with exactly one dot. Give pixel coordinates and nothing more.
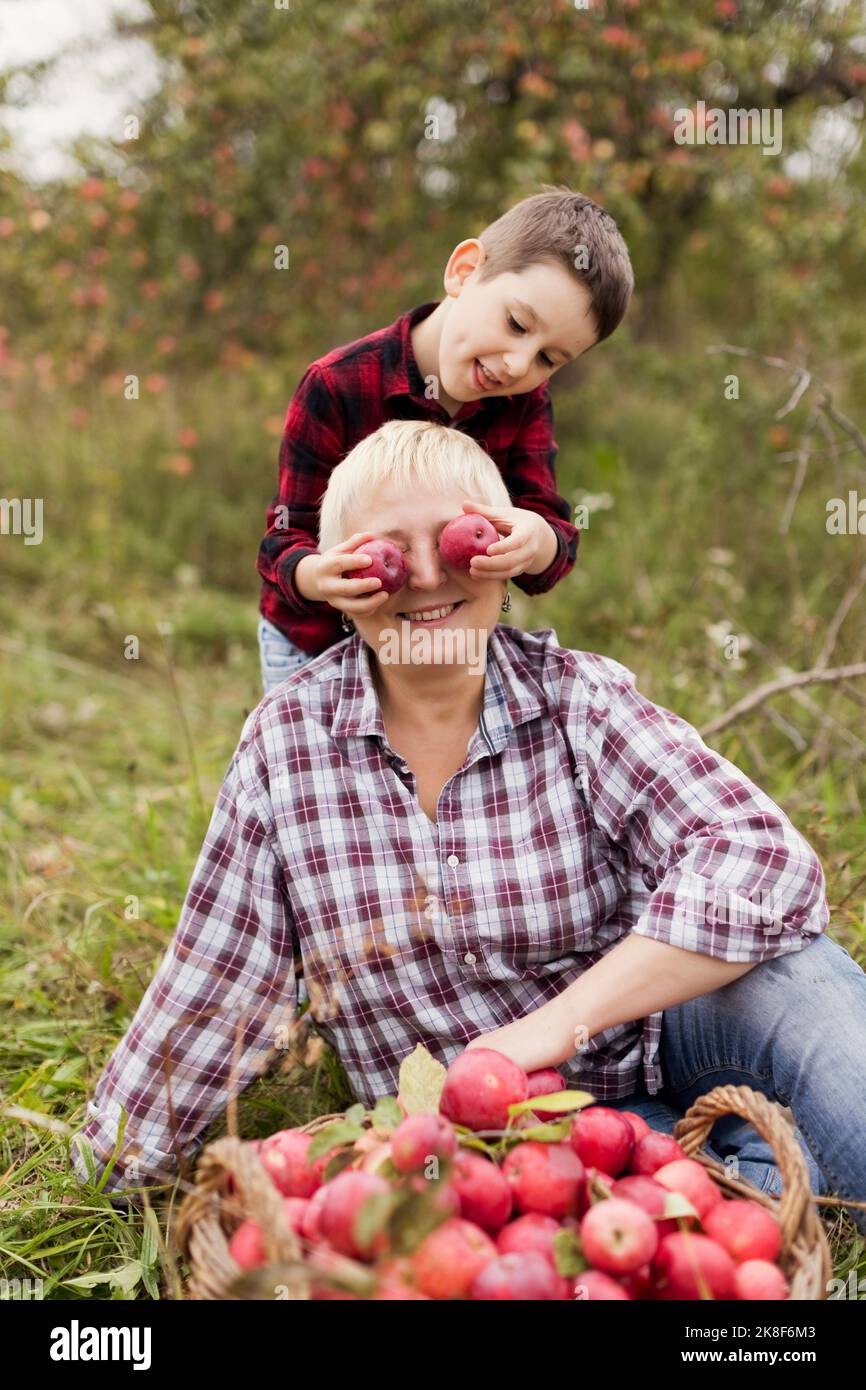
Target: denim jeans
(795, 1029)
(280, 658)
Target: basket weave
(208, 1216)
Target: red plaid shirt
(345, 396)
(583, 812)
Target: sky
(97, 83)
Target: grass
(111, 765)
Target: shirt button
(452, 861)
(469, 958)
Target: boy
(540, 286)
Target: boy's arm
(218, 1009)
(312, 445)
(530, 476)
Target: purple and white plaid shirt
(583, 812)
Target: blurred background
(154, 157)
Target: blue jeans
(795, 1028)
(280, 658)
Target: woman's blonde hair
(406, 452)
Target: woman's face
(414, 520)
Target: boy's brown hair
(555, 226)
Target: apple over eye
(388, 565)
(464, 537)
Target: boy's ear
(463, 261)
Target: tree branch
(817, 676)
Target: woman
(523, 853)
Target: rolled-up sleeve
(727, 873)
(216, 1012)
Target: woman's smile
(431, 616)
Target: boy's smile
(503, 336)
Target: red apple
(479, 1087)
(387, 564)
(745, 1229)
(484, 1192)
(759, 1279)
(441, 1192)
(448, 1259)
(651, 1196)
(464, 537)
(637, 1122)
(593, 1286)
(530, 1232)
(653, 1151)
(689, 1265)
(601, 1138)
(691, 1179)
(312, 1216)
(546, 1083)
(520, 1275)
(638, 1283)
(419, 1138)
(403, 1292)
(284, 1156)
(618, 1236)
(545, 1178)
(535, 1232)
(246, 1246)
(295, 1209)
(346, 1195)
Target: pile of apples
(591, 1205)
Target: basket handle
(796, 1203)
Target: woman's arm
(716, 877)
(636, 978)
(216, 1013)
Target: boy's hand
(328, 577)
(527, 547)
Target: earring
(348, 625)
(506, 603)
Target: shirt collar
(513, 693)
(401, 375)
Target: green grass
(111, 766)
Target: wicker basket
(209, 1215)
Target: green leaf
(150, 1239)
(356, 1114)
(422, 1079)
(568, 1254)
(546, 1133)
(560, 1100)
(676, 1205)
(374, 1215)
(342, 1159)
(387, 1113)
(336, 1134)
(125, 1278)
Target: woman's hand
(544, 1038)
(528, 544)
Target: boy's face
(521, 327)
